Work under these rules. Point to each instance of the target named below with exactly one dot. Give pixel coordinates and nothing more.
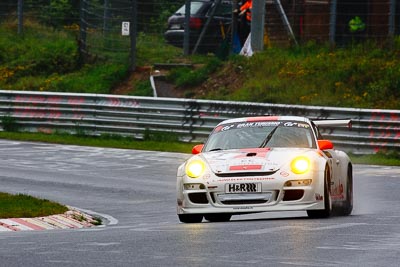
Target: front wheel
(190, 218)
(327, 211)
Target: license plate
(243, 188)
(175, 26)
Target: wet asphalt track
(135, 192)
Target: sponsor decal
(296, 124)
(318, 197)
(256, 124)
(224, 128)
(245, 187)
(243, 208)
(179, 202)
(284, 174)
(337, 192)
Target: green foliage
(96, 79)
(143, 88)
(9, 124)
(47, 60)
(23, 206)
(363, 75)
(152, 48)
(185, 76)
(55, 13)
(38, 51)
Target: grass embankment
(359, 76)
(44, 59)
(365, 75)
(23, 206)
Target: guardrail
(372, 130)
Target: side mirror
(325, 144)
(197, 149)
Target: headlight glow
(195, 168)
(300, 165)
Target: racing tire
(347, 207)
(218, 217)
(327, 211)
(190, 218)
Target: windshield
(260, 134)
(194, 8)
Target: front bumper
(211, 197)
(176, 37)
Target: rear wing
(333, 123)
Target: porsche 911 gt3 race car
(260, 164)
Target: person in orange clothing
(245, 20)
(246, 9)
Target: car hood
(255, 160)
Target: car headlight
(300, 165)
(195, 168)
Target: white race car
(259, 164)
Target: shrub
(143, 88)
(9, 124)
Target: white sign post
(125, 28)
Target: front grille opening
(249, 201)
(292, 195)
(243, 202)
(198, 198)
